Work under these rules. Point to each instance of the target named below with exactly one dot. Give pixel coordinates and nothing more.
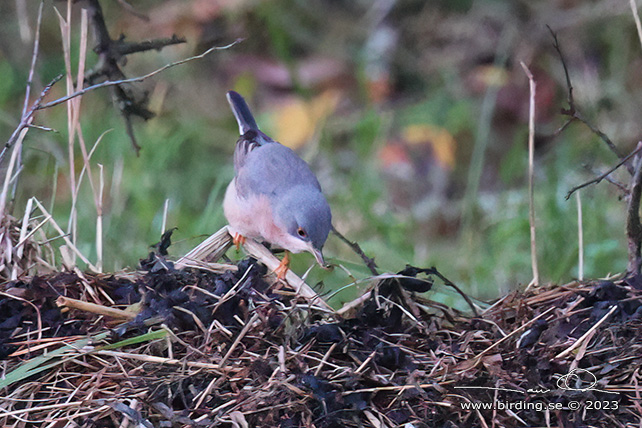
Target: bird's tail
(242, 113)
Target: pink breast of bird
(252, 217)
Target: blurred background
(413, 114)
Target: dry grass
(253, 353)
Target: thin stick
(99, 220)
(531, 172)
(134, 79)
(164, 222)
(94, 308)
(241, 335)
(370, 263)
(25, 120)
(580, 238)
(65, 31)
(477, 358)
(433, 270)
(34, 57)
(38, 105)
(265, 256)
(605, 175)
(12, 163)
(19, 248)
(323, 361)
(64, 236)
(572, 110)
(579, 341)
(158, 360)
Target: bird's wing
(246, 144)
(272, 168)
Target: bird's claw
(283, 267)
(238, 240)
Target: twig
(580, 239)
(94, 308)
(531, 172)
(134, 79)
(605, 175)
(579, 341)
(110, 53)
(99, 220)
(265, 256)
(477, 358)
(27, 115)
(125, 48)
(159, 360)
(64, 236)
(569, 86)
(25, 121)
(34, 57)
(433, 271)
(621, 186)
(370, 263)
(572, 109)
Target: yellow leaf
(442, 142)
(297, 120)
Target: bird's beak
(318, 255)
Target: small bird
(274, 196)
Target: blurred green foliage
(186, 156)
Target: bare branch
(125, 48)
(34, 57)
(38, 105)
(133, 79)
(433, 270)
(26, 120)
(556, 45)
(572, 108)
(604, 175)
(370, 263)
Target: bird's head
(305, 215)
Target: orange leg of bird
(282, 269)
(238, 240)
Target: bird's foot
(283, 267)
(238, 240)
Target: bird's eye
(301, 232)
